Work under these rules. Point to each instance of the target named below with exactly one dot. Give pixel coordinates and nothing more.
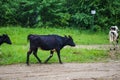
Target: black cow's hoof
(61, 63)
(28, 64)
(45, 62)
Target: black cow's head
(69, 41)
(6, 39)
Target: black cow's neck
(64, 43)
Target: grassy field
(16, 53)
(19, 35)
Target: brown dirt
(98, 47)
(66, 71)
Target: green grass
(18, 35)
(12, 54)
(16, 53)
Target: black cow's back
(46, 42)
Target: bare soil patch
(98, 47)
(66, 71)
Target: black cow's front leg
(35, 54)
(51, 54)
(28, 54)
(58, 53)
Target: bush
(96, 28)
(75, 13)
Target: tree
(61, 13)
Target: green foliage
(96, 28)
(82, 19)
(75, 13)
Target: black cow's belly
(47, 48)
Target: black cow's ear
(69, 36)
(65, 36)
(4, 34)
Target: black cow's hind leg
(28, 54)
(51, 54)
(35, 54)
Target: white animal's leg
(111, 40)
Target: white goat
(113, 36)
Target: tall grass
(16, 53)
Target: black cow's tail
(28, 37)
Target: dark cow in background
(48, 42)
(5, 39)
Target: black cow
(48, 42)
(5, 39)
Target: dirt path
(99, 47)
(66, 71)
